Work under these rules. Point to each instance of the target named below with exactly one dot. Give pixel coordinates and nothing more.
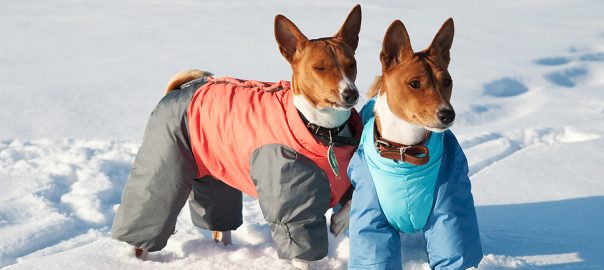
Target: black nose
(446, 116)
(350, 95)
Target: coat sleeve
(374, 244)
(451, 233)
(294, 194)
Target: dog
(286, 143)
(409, 172)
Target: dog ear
(349, 32)
(288, 36)
(442, 42)
(396, 45)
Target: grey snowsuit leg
(294, 195)
(215, 205)
(162, 178)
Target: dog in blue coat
(409, 172)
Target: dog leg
(224, 237)
(140, 253)
(302, 264)
(340, 220)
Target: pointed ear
(349, 32)
(442, 42)
(288, 37)
(396, 45)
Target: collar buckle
(402, 150)
(379, 142)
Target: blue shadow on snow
(546, 228)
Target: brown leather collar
(415, 154)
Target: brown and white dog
(414, 91)
(410, 173)
(322, 83)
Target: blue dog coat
(434, 198)
(405, 191)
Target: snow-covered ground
(79, 78)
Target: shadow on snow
(546, 228)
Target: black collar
(329, 135)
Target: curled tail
(184, 77)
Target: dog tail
(184, 77)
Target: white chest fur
(325, 117)
(394, 128)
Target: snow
(79, 79)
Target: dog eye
(352, 65)
(447, 82)
(414, 84)
(319, 68)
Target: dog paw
(340, 220)
(140, 253)
(302, 264)
(224, 237)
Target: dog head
(418, 85)
(324, 69)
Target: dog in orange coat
(286, 143)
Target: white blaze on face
(344, 84)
